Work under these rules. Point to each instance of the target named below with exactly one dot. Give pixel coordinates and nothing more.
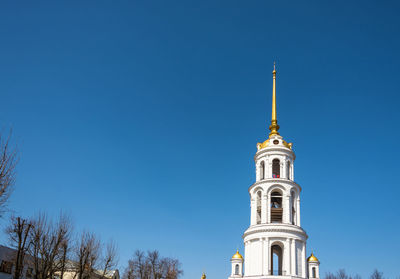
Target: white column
(292, 170)
(258, 175)
(266, 257)
(293, 255)
(269, 169)
(290, 209)
(253, 212)
(285, 170)
(268, 209)
(262, 240)
(298, 212)
(303, 260)
(264, 209)
(287, 268)
(286, 206)
(246, 258)
(259, 257)
(269, 259)
(261, 260)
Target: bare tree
(49, 245)
(18, 233)
(153, 258)
(8, 161)
(152, 266)
(137, 267)
(341, 274)
(376, 275)
(330, 275)
(87, 253)
(110, 258)
(173, 270)
(65, 249)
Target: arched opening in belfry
(293, 206)
(288, 170)
(258, 204)
(262, 170)
(314, 272)
(276, 168)
(276, 207)
(236, 269)
(276, 260)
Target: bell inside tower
(276, 207)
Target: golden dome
(203, 276)
(237, 255)
(312, 258)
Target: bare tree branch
(8, 161)
(18, 233)
(87, 254)
(110, 258)
(49, 245)
(376, 275)
(152, 266)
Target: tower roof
(312, 258)
(237, 255)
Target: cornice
(280, 181)
(275, 228)
(274, 149)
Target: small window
(237, 269)
(288, 170)
(314, 273)
(276, 168)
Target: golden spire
(274, 121)
(203, 276)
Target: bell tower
(275, 242)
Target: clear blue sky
(141, 118)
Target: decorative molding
(287, 229)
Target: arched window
(259, 207)
(288, 170)
(293, 204)
(262, 170)
(314, 272)
(276, 168)
(276, 260)
(276, 207)
(236, 269)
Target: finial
(203, 276)
(274, 121)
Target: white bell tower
(275, 243)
